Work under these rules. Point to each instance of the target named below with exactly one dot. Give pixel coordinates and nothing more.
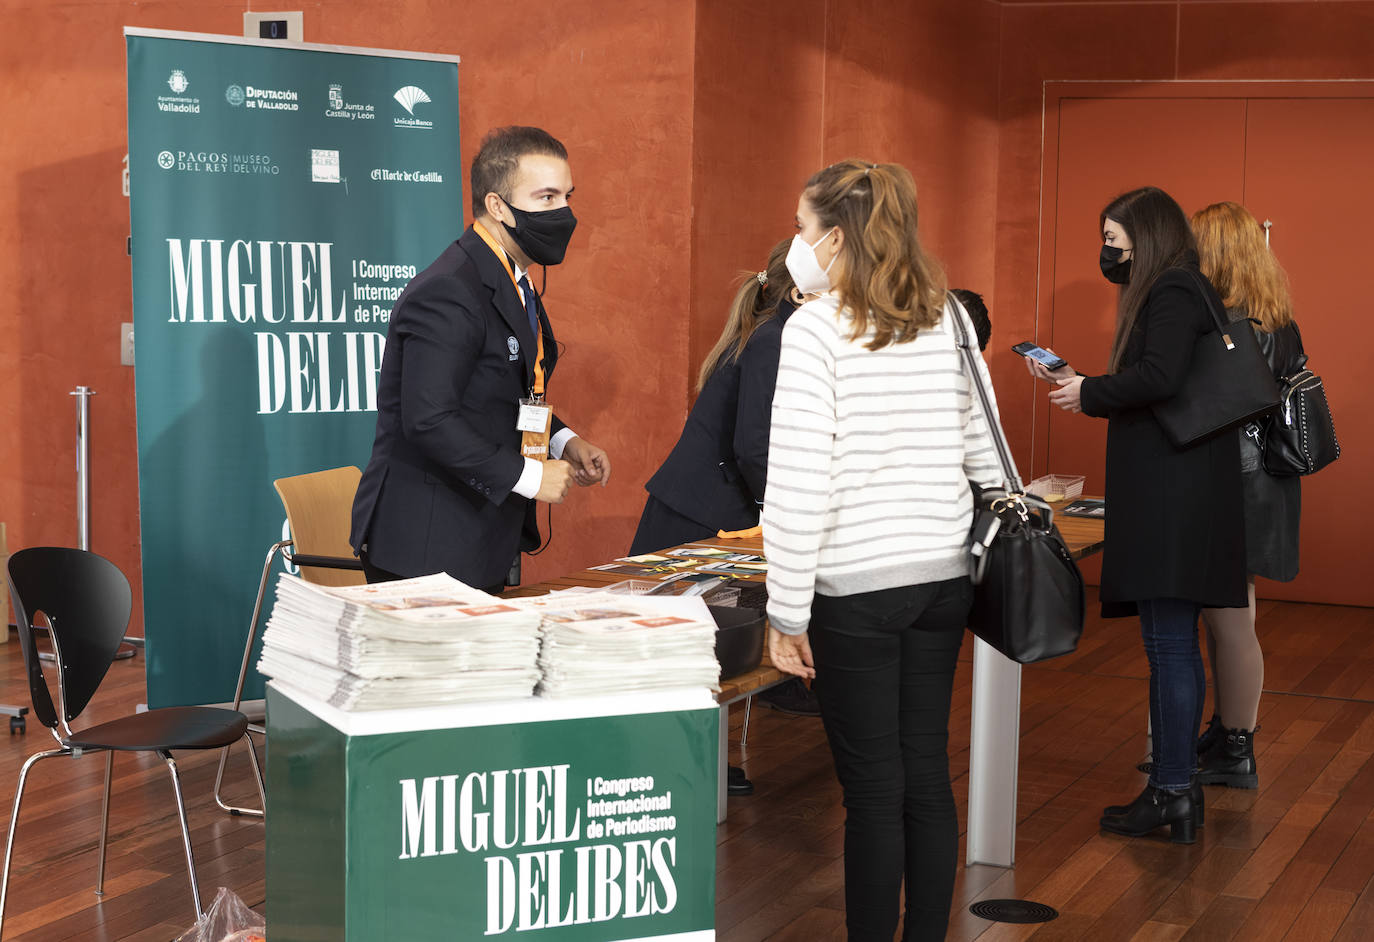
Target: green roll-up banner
(281, 196)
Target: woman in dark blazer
(1237, 260)
(713, 479)
(1175, 537)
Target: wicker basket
(1057, 487)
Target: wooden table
(994, 739)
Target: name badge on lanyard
(533, 424)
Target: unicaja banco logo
(177, 81)
(166, 159)
(234, 95)
(410, 96)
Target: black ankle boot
(1194, 790)
(1232, 762)
(1212, 735)
(1154, 809)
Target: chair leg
(185, 831)
(14, 819)
(744, 732)
(104, 825)
(277, 549)
(257, 772)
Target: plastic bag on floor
(227, 920)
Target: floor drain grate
(1013, 910)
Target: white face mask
(805, 269)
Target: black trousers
(885, 669)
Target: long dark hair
(886, 280)
(755, 302)
(1160, 239)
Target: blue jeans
(885, 665)
(1177, 688)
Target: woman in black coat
(1175, 530)
(713, 479)
(1237, 260)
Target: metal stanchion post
(83, 491)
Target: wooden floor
(1293, 860)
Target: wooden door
(1307, 170)
(1292, 158)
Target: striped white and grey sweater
(869, 461)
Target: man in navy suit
(449, 486)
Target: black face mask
(542, 236)
(1113, 268)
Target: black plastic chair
(86, 602)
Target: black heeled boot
(1195, 790)
(1232, 762)
(1212, 735)
(1154, 809)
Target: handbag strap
(999, 439)
(1223, 325)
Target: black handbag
(1300, 437)
(1228, 384)
(1028, 593)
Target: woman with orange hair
(1236, 259)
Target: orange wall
(612, 78)
(1157, 41)
(1100, 40)
(691, 127)
(785, 87)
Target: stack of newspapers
(603, 643)
(413, 642)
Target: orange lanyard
(539, 331)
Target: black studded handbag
(1299, 437)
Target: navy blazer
(436, 494)
(716, 473)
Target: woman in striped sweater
(875, 438)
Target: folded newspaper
(413, 642)
(602, 643)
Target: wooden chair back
(319, 510)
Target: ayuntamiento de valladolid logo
(178, 102)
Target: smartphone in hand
(1040, 355)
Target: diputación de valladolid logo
(408, 98)
(253, 97)
(178, 102)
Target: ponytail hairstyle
(885, 281)
(1160, 240)
(1237, 261)
(756, 301)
